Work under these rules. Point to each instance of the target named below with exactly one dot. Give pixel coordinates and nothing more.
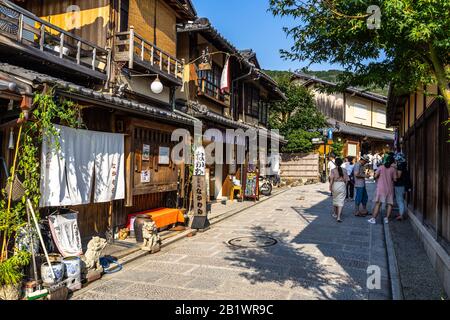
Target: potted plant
(11, 275)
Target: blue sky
(247, 24)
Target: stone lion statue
(152, 240)
(92, 255)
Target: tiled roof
(361, 131)
(366, 94)
(114, 101)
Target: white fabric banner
(67, 173)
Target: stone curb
(133, 254)
(396, 285)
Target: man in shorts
(361, 197)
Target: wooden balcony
(143, 56)
(24, 37)
(211, 90)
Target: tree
(410, 49)
(297, 118)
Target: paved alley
(313, 257)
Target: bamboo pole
(4, 252)
(40, 237)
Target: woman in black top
(401, 185)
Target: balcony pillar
(131, 49)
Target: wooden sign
(199, 161)
(200, 220)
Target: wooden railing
(212, 90)
(129, 46)
(26, 28)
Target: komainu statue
(152, 240)
(92, 256)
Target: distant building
(353, 115)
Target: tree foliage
(411, 47)
(297, 118)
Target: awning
(360, 131)
(217, 118)
(89, 95)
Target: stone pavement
(314, 257)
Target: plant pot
(138, 223)
(73, 272)
(46, 274)
(10, 292)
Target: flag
(225, 80)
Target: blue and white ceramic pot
(46, 274)
(73, 268)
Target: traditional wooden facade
(353, 115)
(244, 106)
(419, 118)
(91, 53)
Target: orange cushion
(163, 217)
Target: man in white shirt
(348, 166)
(275, 168)
(331, 163)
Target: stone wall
(297, 168)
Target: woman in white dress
(338, 187)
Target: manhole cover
(253, 242)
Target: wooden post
(176, 68)
(20, 33)
(152, 58)
(42, 38)
(94, 56)
(160, 60)
(61, 45)
(131, 49)
(78, 52)
(142, 49)
(168, 65)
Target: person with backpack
(402, 185)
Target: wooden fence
(296, 166)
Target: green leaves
(46, 111)
(331, 31)
(298, 117)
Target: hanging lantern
(11, 140)
(10, 105)
(157, 87)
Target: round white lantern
(157, 87)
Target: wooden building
(93, 56)
(353, 115)
(419, 118)
(244, 106)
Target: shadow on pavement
(325, 260)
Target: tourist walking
(386, 176)
(361, 197)
(401, 185)
(338, 187)
(348, 166)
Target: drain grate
(253, 242)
